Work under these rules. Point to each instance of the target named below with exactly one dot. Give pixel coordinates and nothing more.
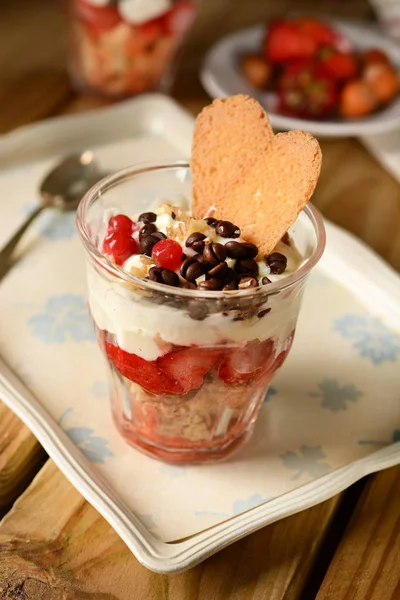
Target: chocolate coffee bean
(230, 275)
(188, 285)
(230, 286)
(148, 217)
(159, 235)
(196, 241)
(277, 262)
(169, 277)
(147, 242)
(241, 250)
(211, 285)
(227, 229)
(214, 253)
(155, 274)
(197, 310)
(247, 282)
(265, 280)
(147, 229)
(185, 264)
(220, 271)
(194, 271)
(247, 266)
(211, 222)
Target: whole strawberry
(305, 91)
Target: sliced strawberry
(180, 17)
(98, 17)
(280, 359)
(339, 65)
(188, 366)
(242, 365)
(151, 31)
(145, 373)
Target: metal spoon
(62, 188)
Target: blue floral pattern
(64, 316)
(271, 392)
(240, 506)
(307, 461)
(95, 448)
(370, 337)
(53, 224)
(334, 396)
(100, 389)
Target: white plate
(330, 419)
(221, 77)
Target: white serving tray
(330, 418)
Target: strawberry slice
(242, 365)
(188, 366)
(145, 373)
(98, 17)
(180, 17)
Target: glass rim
(100, 259)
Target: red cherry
(120, 223)
(120, 245)
(167, 254)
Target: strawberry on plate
(144, 372)
(357, 99)
(340, 66)
(383, 80)
(305, 91)
(374, 55)
(188, 366)
(285, 42)
(244, 364)
(291, 39)
(98, 17)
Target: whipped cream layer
(148, 330)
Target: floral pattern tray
(331, 416)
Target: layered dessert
(198, 311)
(125, 48)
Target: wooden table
(53, 544)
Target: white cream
(143, 328)
(148, 329)
(138, 12)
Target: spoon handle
(7, 251)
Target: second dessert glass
(189, 369)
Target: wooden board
(366, 565)
(53, 542)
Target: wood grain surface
(366, 565)
(55, 545)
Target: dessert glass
(115, 58)
(223, 347)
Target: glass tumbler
(189, 368)
(120, 48)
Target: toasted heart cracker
(244, 173)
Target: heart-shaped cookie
(244, 173)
